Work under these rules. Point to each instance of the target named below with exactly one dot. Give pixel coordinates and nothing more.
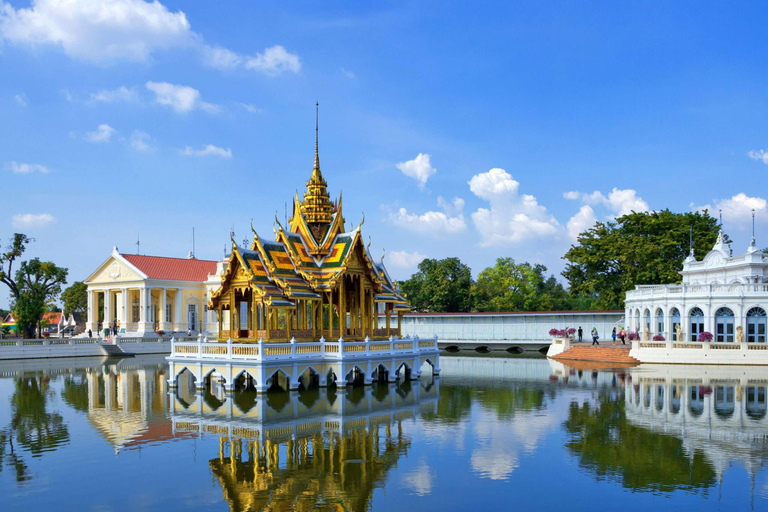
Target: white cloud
(761, 155)
(21, 100)
(250, 108)
(122, 93)
(208, 150)
(419, 169)
(347, 73)
(97, 31)
(619, 201)
(581, 222)
(103, 133)
(419, 480)
(32, 220)
(274, 61)
(140, 141)
(512, 217)
(433, 223)
(180, 98)
(221, 58)
(404, 259)
(737, 211)
(22, 168)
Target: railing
(699, 345)
(333, 350)
(658, 290)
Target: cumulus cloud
(404, 259)
(274, 61)
(208, 150)
(419, 169)
(32, 220)
(122, 93)
(581, 222)
(180, 98)
(22, 168)
(140, 141)
(737, 211)
(21, 100)
(221, 58)
(619, 201)
(103, 133)
(512, 217)
(760, 154)
(433, 223)
(97, 31)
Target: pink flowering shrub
(659, 337)
(706, 336)
(631, 336)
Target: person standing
(595, 336)
(622, 335)
(90, 333)
(580, 333)
(613, 335)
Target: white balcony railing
(697, 290)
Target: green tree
(509, 286)
(7, 259)
(39, 283)
(75, 298)
(440, 286)
(640, 248)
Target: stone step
(599, 354)
(113, 350)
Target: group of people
(621, 334)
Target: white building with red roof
(143, 294)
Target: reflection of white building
(717, 294)
(721, 412)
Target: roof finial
(317, 130)
(753, 228)
(721, 218)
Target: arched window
(725, 403)
(637, 319)
(659, 322)
(697, 323)
(674, 316)
(647, 324)
(724, 325)
(756, 325)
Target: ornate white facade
(722, 294)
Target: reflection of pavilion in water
(317, 449)
(127, 403)
(720, 412)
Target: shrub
(659, 337)
(631, 336)
(706, 336)
(571, 331)
(558, 333)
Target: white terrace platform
(292, 363)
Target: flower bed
(659, 337)
(706, 336)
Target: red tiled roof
(52, 318)
(174, 269)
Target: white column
(162, 320)
(144, 305)
(91, 316)
(124, 309)
(107, 313)
(178, 320)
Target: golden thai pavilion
(316, 279)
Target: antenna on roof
(138, 245)
(753, 227)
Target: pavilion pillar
(234, 316)
(145, 304)
(161, 320)
(330, 316)
(92, 316)
(389, 316)
(361, 298)
(178, 321)
(107, 313)
(221, 319)
(399, 323)
(342, 309)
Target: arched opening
(725, 401)
(278, 381)
(660, 322)
(483, 349)
(185, 387)
(674, 317)
(647, 320)
(696, 401)
(697, 323)
(427, 372)
(356, 376)
(452, 348)
(756, 325)
(245, 391)
(380, 374)
(756, 402)
(515, 350)
(724, 321)
(674, 399)
(310, 379)
(403, 372)
(637, 319)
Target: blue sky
(473, 130)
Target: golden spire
(317, 207)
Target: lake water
(493, 433)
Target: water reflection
(314, 450)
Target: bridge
(513, 332)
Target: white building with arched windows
(722, 294)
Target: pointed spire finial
(753, 228)
(317, 132)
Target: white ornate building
(718, 294)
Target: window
(659, 322)
(724, 325)
(192, 317)
(675, 318)
(135, 310)
(756, 322)
(168, 312)
(647, 324)
(697, 323)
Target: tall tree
(510, 286)
(39, 283)
(440, 286)
(75, 298)
(7, 259)
(640, 248)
